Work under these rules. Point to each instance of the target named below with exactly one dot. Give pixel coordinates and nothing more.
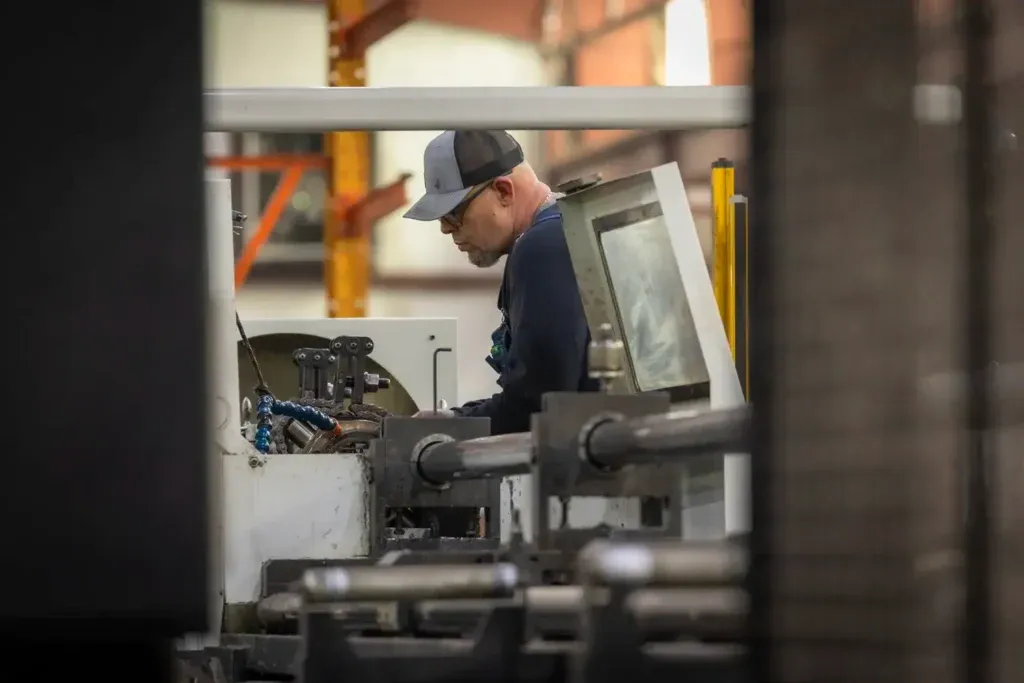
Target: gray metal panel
(607, 244)
(865, 268)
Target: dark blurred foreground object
(105, 531)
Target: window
(303, 221)
(687, 53)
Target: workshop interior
(797, 247)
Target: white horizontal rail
(314, 110)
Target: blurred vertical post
(346, 246)
(740, 288)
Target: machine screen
(654, 314)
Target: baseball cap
(458, 160)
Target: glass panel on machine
(657, 324)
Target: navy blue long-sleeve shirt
(541, 345)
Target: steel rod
(558, 609)
(298, 433)
(715, 563)
(443, 462)
(611, 445)
(350, 584)
(315, 110)
(680, 433)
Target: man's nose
(446, 229)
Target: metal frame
(297, 110)
(313, 110)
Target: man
(491, 203)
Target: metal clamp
(313, 365)
(351, 380)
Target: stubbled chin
(483, 259)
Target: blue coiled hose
(268, 406)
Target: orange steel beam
(357, 219)
(347, 249)
(350, 247)
(355, 37)
(346, 277)
(269, 162)
(286, 187)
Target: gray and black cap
(458, 160)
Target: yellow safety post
(347, 251)
(723, 265)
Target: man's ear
(505, 190)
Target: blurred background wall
(402, 268)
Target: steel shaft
(676, 564)
(679, 433)
(611, 445)
(438, 582)
(557, 609)
(443, 462)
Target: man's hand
(434, 413)
(442, 411)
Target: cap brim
(432, 207)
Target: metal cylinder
(442, 461)
(714, 612)
(437, 582)
(298, 433)
(605, 356)
(680, 433)
(677, 564)
(557, 610)
(279, 607)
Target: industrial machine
(327, 479)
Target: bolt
(368, 346)
(331, 359)
(302, 356)
(254, 462)
(316, 357)
(353, 346)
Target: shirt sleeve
(548, 329)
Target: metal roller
(709, 612)
(438, 582)
(441, 461)
(678, 564)
(298, 433)
(609, 445)
(676, 434)
(277, 608)
(556, 610)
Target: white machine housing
(640, 268)
(410, 351)
(315, 506)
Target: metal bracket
(579, 184)
(351, 380)
(313, 365)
